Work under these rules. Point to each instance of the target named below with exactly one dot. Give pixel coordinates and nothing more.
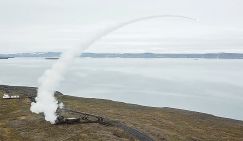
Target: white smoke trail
(45, 100)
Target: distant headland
(56, 55)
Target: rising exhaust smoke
(45, 101)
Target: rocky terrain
(18, 123)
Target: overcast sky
(57, 25)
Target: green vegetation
(18, 123)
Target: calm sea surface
(204, 85)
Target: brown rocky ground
(18, 123)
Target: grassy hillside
(18, 123)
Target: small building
(7, 96)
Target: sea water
(213, 86)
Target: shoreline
(132, 104)
(125, 121)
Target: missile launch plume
(49, 81)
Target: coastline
(159, 123)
